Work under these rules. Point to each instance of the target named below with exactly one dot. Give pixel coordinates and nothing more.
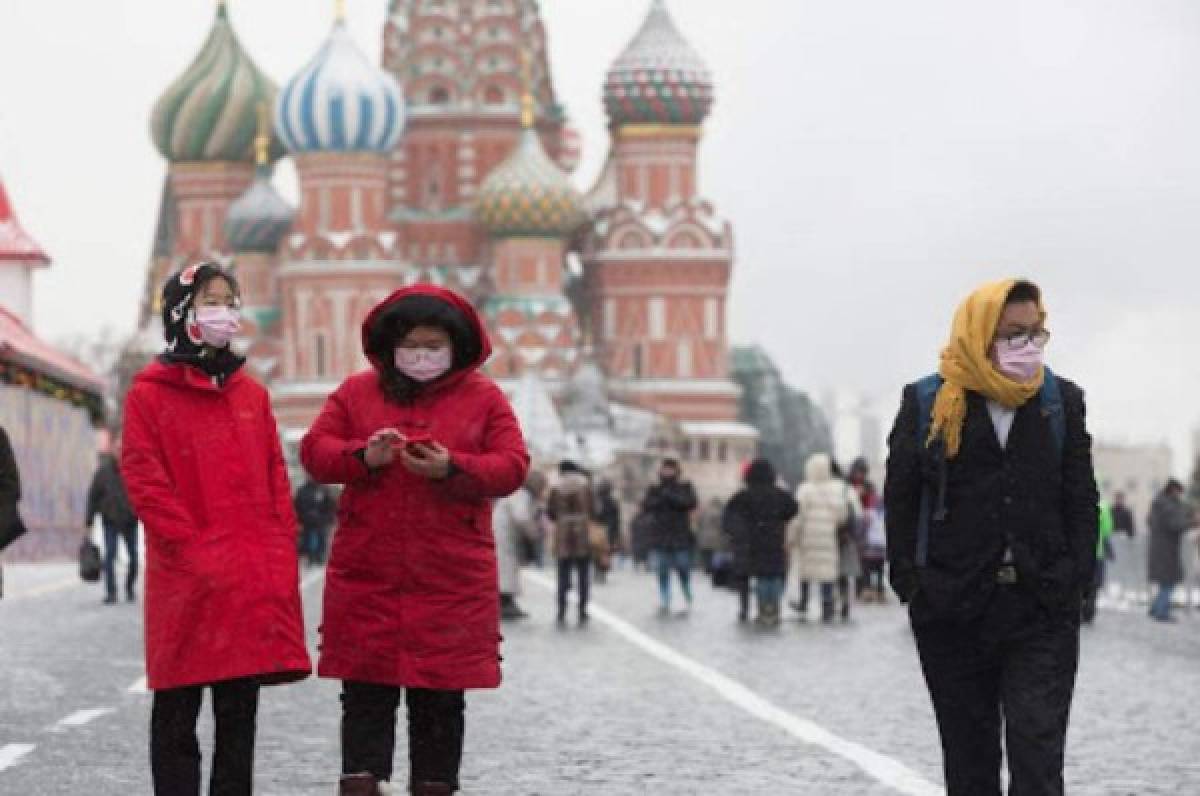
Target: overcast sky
(877, 159)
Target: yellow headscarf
(966, 364)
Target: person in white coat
(813, 534)
(513, 517)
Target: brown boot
(432, 789)
(359, 785)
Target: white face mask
(1018, 362)
(424, 364)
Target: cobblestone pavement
(633, 703)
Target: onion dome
(260, 217)
(660, 78)
(528, 195)
(208, 113)
(340, 102)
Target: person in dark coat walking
(107, 497)
(10, 492)
(755, 520)
(1122, 517)
(996, 575)
(608, 514)
(1170, 517)
(424, 442)
(668, 505)
(204, 468)
(316, 511)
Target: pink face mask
(218, 325)
(424, 364)
(1018, 362)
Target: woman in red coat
(203, 467)
(423, 443)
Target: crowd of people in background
(825, 536)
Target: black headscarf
(184, 344)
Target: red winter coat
(411, 593)
(205, 472)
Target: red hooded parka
(204, 470)
(411, 593)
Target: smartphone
(417, 438)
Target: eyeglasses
(1022, 338)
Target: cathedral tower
(254, 228)
(205, 125)
(340, 117)
(530, 210)
(460, 62)
(658, 259)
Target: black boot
(509, 608)
(432, 789)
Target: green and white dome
(210, 112)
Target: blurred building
(50, 406)
(856, 429)
(1139, 471)
(449, 164)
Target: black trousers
(436, 727)
(583, 567)
(113, 534)
(175, 751)
(1011, 670)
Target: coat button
(1007, 500)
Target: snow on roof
(18, 344)
(719, 429)
(15, 243)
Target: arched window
(439, 95)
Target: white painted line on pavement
(312, 578)
(13, 752)
(138, 686)
(82, 717)
(880, 767)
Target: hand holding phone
(381, 447)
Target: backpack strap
(927, 389)
(1050, 397)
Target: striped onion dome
(340, 102)
(209, 112)
(260, 217)
(660, 78)
(529, 195)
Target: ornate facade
(450, 163)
